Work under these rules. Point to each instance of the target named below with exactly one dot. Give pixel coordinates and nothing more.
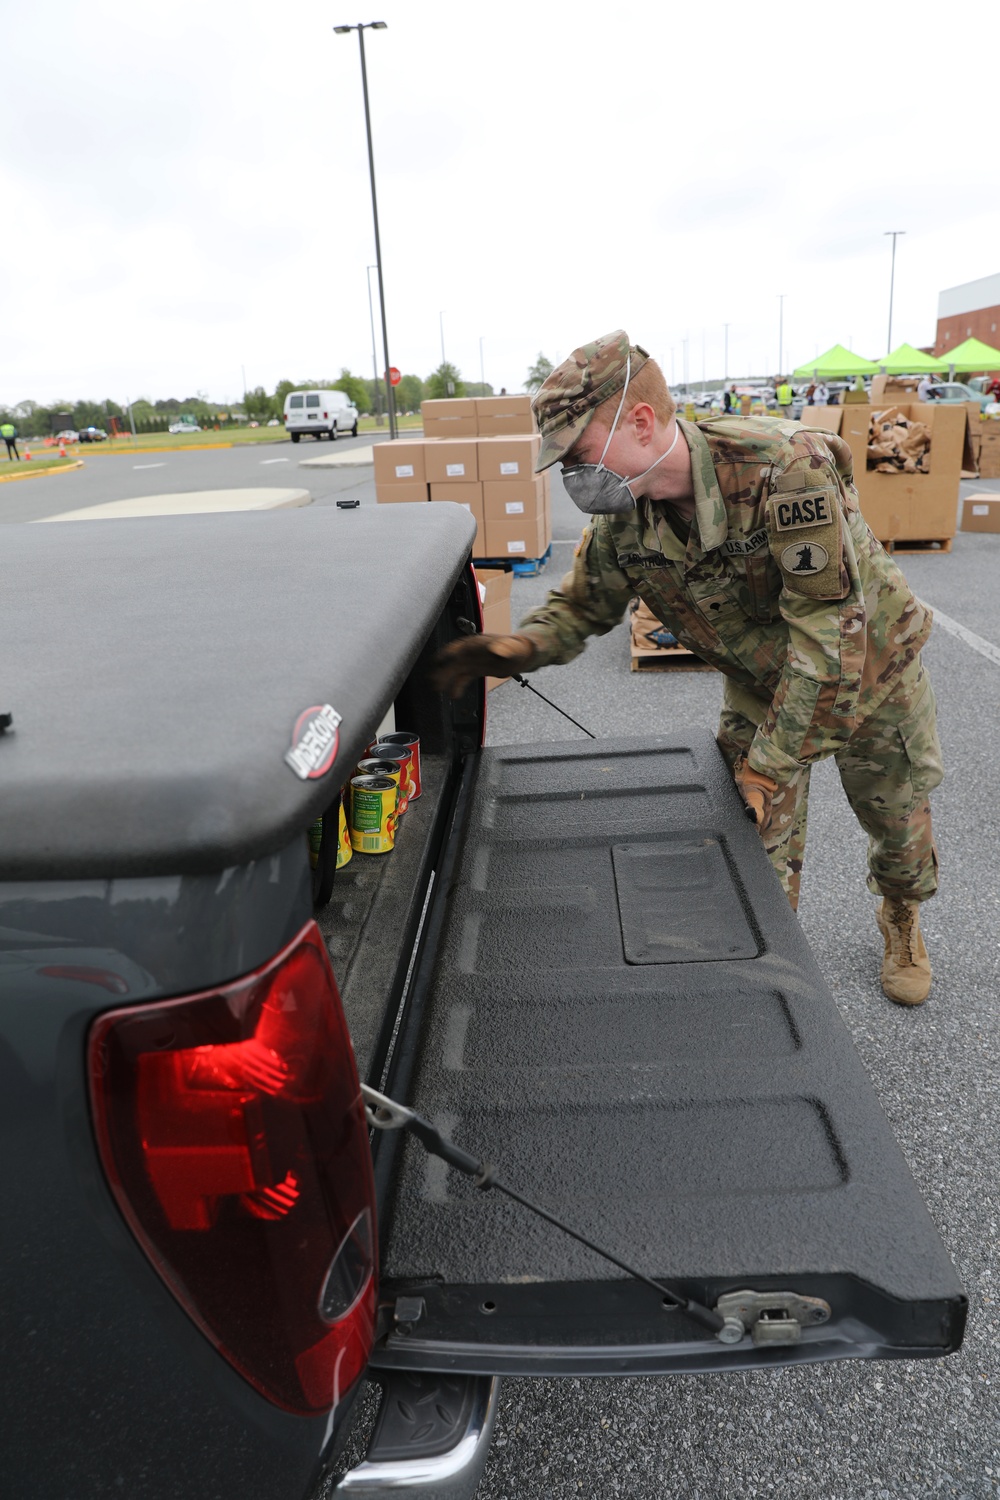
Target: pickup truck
(576, 962)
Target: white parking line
(275, 460)
(163, 465)
(985, 648)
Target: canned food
(410, 742)
(378, 766)
(344, 850)
(315, 841)
(373, 814)
(404, 759)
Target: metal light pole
(371, 315)
(361, 28)
(482, 368)
(892, 281)
(781, 334)
(725, 362)
(441, 321)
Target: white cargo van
(319, 412)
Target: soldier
(745, 539)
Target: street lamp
(371, 315)
(892, 281)
(482, 372)
(781, 334)
(725, 358)
(361, 28)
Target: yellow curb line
(34, 473)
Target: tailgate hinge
(769, 1317)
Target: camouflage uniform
(782, 586)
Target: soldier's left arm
(811, 513)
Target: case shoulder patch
(806, 541)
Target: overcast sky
(186, 193)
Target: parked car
(955, 390)
(183, 427)
(576, 959)
(93, 435)
(273, 422)
(68, 435)
(320, 413)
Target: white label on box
(980, 510)
(513, 468)
(404, 471)
(515, 547)
(455, 471)
(514, 507)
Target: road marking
(275, 460)
(163, 465)
(985, 648)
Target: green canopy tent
(909, 361)
(837, 363)
(971, 358)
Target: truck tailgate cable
(385, 1114)
(468, 628)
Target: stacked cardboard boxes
(481, 453)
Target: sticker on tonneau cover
(315, 739)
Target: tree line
(34, 420)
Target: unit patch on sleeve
(806, 542)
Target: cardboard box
(508, 458)
(400, 493)
(906, 507)
(470, 496)
(503, 501)
(452, 461)
(400, 462)
(981, 513)
(517, 537)
(989, 449)
(894, 390)
(450, 419)
(498, 416)
(494, 594)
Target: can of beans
(404, 759)
(374, 765)
(409, 742)
(373, 814)
(344, 850)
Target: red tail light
(231, 1129)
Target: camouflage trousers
(888, 768)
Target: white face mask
(598, 491)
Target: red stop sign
(394, 375)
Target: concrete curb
(33, 473)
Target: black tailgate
(624, 1016)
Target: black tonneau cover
(625, 1017)
(156, 668)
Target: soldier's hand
(461, 662)
(757, 792)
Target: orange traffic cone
(62, 450)
(27, 454)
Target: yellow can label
(373, 815)
(344, 850)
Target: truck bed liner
(624, 1016)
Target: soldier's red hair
(648, 386)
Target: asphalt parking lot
(854, 1431)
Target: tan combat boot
(906, 969)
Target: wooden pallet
(667, 659)
(911, 544)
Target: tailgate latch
(769, 1317)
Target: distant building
(971, 310)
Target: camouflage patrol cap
(565, 402)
